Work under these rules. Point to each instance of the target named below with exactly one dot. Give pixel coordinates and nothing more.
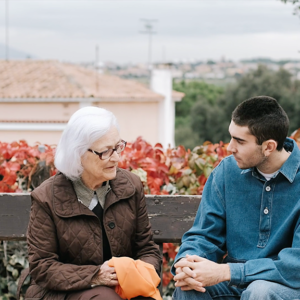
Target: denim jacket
(255, 221)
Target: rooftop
(52, 80)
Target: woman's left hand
(106, 276)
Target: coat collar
(121, 188)
(65, 201)
(290, 168)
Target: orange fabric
(136, 278)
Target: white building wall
(161, 82)
(135, 119)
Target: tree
(297, 5)
(205, 112)
(195, 92)
(262, 81)
(205, 118)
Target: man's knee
(261, 289)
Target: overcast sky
(192, 30)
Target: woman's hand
(106, 276)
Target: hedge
(162, 171)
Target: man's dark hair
(265, 119)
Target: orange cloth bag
(136, 278)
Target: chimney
(161, 83)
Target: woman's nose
(115, 156)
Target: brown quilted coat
(64, 236)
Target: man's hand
(195, 272)
(184, 281)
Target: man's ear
(268, 147)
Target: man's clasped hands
(195, 273)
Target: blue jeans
(257, 290)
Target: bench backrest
(170, 216)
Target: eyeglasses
(108, 153)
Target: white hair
(86, 126)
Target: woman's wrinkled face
(96, 170)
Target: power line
(148, 26)
(6, 31)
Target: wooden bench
(170, 216)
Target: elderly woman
(87, 213)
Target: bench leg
(161, 270)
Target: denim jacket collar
(290, 167)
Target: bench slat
(14, 216)
(170, 216)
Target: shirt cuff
(237, 274)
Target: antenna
(6, 31)
(148, 26)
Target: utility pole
(149, 26)
(6, 31)
(97, 67)
(164, 60)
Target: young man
(249, 214)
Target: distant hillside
(14, 53)
(266, 60)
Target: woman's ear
(268, 147)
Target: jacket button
(111, 225)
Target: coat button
(268, 188)
(111, 225)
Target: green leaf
(207, 171)
(15, 273)
(12, 287)
(141, 173)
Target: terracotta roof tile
(52, 79)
